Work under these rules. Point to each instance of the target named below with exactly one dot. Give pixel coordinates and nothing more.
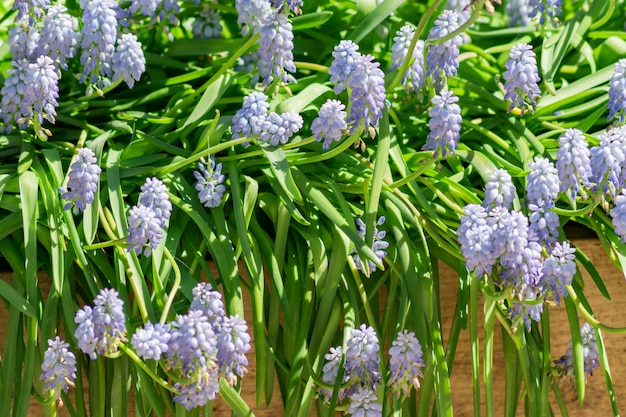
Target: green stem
(427, 164)
(589, 317)
(139, 362)
(106, 244)
(175, 286)
(418, 32)
(311, 66)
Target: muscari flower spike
(24, 41)
(367, 95)
(462, 8)
(442, 59)
(518, 11)
(405, 363)
(499, 190)
(151, 341)
(618, 215)
(378, 246)
(251, 14)
(154, 196)
(444, 124)
(275, 57)
(362, 360)
(58, 368)
(330, 372)
(128, 61)
(233, 343)
(474, 236)
(207, 24)
(192, 346)
(330, 123)
(414, 78)
(101, 328)
(198, 390)
(546, 9)
(617, 92)
(99, 34)
(33, 9)
(210, 183)
(345, 57)
(542, 183)
(559, 269)
(591, 353)
(606, 160)
(544, 223)
(84, 176)
(573, 163)
(279, 128)
(364, 403)
(521, 76)
(208, 301)
(249, 120)
(59, 37)
(145, 230)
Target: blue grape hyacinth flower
(414, 78)
(154, 196)
(378, 246)
(58, 368)
(521, 76)
(210, 183)
(405, 363)
(330, 123)
(573, 163)
(151, 341)
(442, 59)
(82, 185)
(444, 124)
(591, 354)
(275, 54)
(145, 230)
(128, 61)
(617, 92)
(102, 327)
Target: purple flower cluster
(330, 123)
(58, 368)
(29, 94)
(366, 81)
(210, 183)
(207, 24)
(499, 190)
(361, 369)
(254, 118)
(617, 92)
(59, 37)
(378, 246)
(33, 9)
(251, 14)
(101, 328)
(591, 355)
(444, 124)
(405, 363)
(462, 8)
(128, 62)
(414, 78)
(275, 56)
(573, 163)
(521, 76)
(442, 59)
(607, 160)
(147, 219)
(522, 255)
(518, 11)
(84, 176)
(199, 347)
(545, 9)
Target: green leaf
(310, 20)
(282, 172)
(305, 97)
(16, 300)
(374, 19)
(210, 96)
